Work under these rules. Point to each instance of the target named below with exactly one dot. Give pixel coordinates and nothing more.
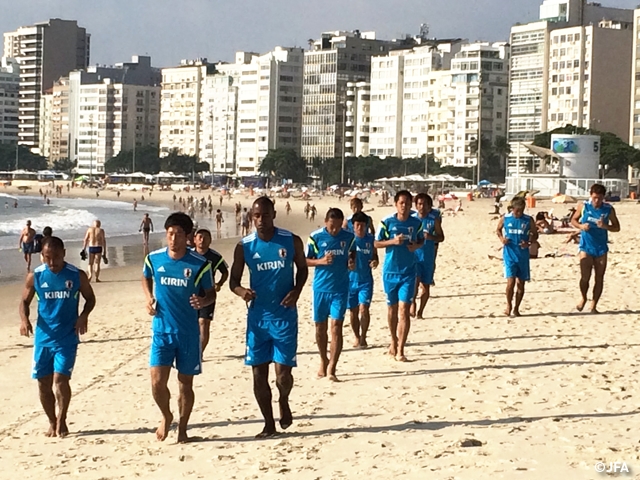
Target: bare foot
(333, 378)
(392, 350)
(594, 311)
(507, 311)
(580, 306)
(52, 430)
(62, 430)
(363, 343)
(516, 313)
(356, 342)
(163, 430)
(420, 315)
(323, 369)
(267, 432)
(183, 437)
(286, 418)
(97, 280)
(401, 358)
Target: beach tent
(563, 199)
(484, 183)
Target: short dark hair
(425, 197)
(598, 189)
(47, 231)
(403, 193)
(53, 242)
(334, 214)
(179, 219)
(264, 201)
(518, 202)
(360, 217)
(203, 231)
(356, 201)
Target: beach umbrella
(484, 183)
(563, 199)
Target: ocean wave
(116, 204)
(59, 219)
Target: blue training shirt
(398, 259)
(364, 255)
(594, 241)
(428, 250)
(58, 297)
(271, 267)
(332, 278)
(174, 283)
(516, 230)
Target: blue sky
(170, 30)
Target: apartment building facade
(536, 61)
(9, 91)
(333, 61)
(358, 119)
(634, 121)
(429, 99)
(45, 51)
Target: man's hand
(246, 294)
(504, 240)
(584, 227)
(600, 223)
(291, 299)
(151, 310)
(218, 287)
(351, 264)
(82, 324)
(26, 328)
(398, 239)
(327, 259)
(196, 301)
(373, 264)
(525, 244)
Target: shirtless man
(219, 219)
(595, 219)
(26, 243)
(96, 239)
(145, 227)
(244, 222)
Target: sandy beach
(543, 396)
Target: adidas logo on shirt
(45, 285)
(323, 244)
(161, 269)
(256, 255)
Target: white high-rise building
(427, 100)
(46, 51)
(634, 127)
(9, 88)
(358, 119)
(583, 29)
(181, 106)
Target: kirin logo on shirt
(367, 245)
(343, 244)
(68, 284)
(282, 252)
(187, 273)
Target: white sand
(548, 394)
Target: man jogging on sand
(177, 282)
(595, 219)
(270, 253)
(57, 284)
(516, 231)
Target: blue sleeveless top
(594, 241)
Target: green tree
(146, 161)
(178, 163)
(64, 165)
(283, 164)
(26, 159)
(502, 149)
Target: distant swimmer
(431, 219)
(96, 240)
(219, 219)
(146, 227)
(332, 251)
(287, 208)
(58, 285)
(135, 205)
(361, 279)
(595, 219)
(270, 253)
(401, 235)
(27, 243)
(516, 231)
(177, 282)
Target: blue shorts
(28, 248)
(179, 351)
(425, 270)
(50, 360)
(594, 252)
(399, 288)
(360, 294)
(329, 305)
(95, 250)
(518, 270)
(271, 339)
